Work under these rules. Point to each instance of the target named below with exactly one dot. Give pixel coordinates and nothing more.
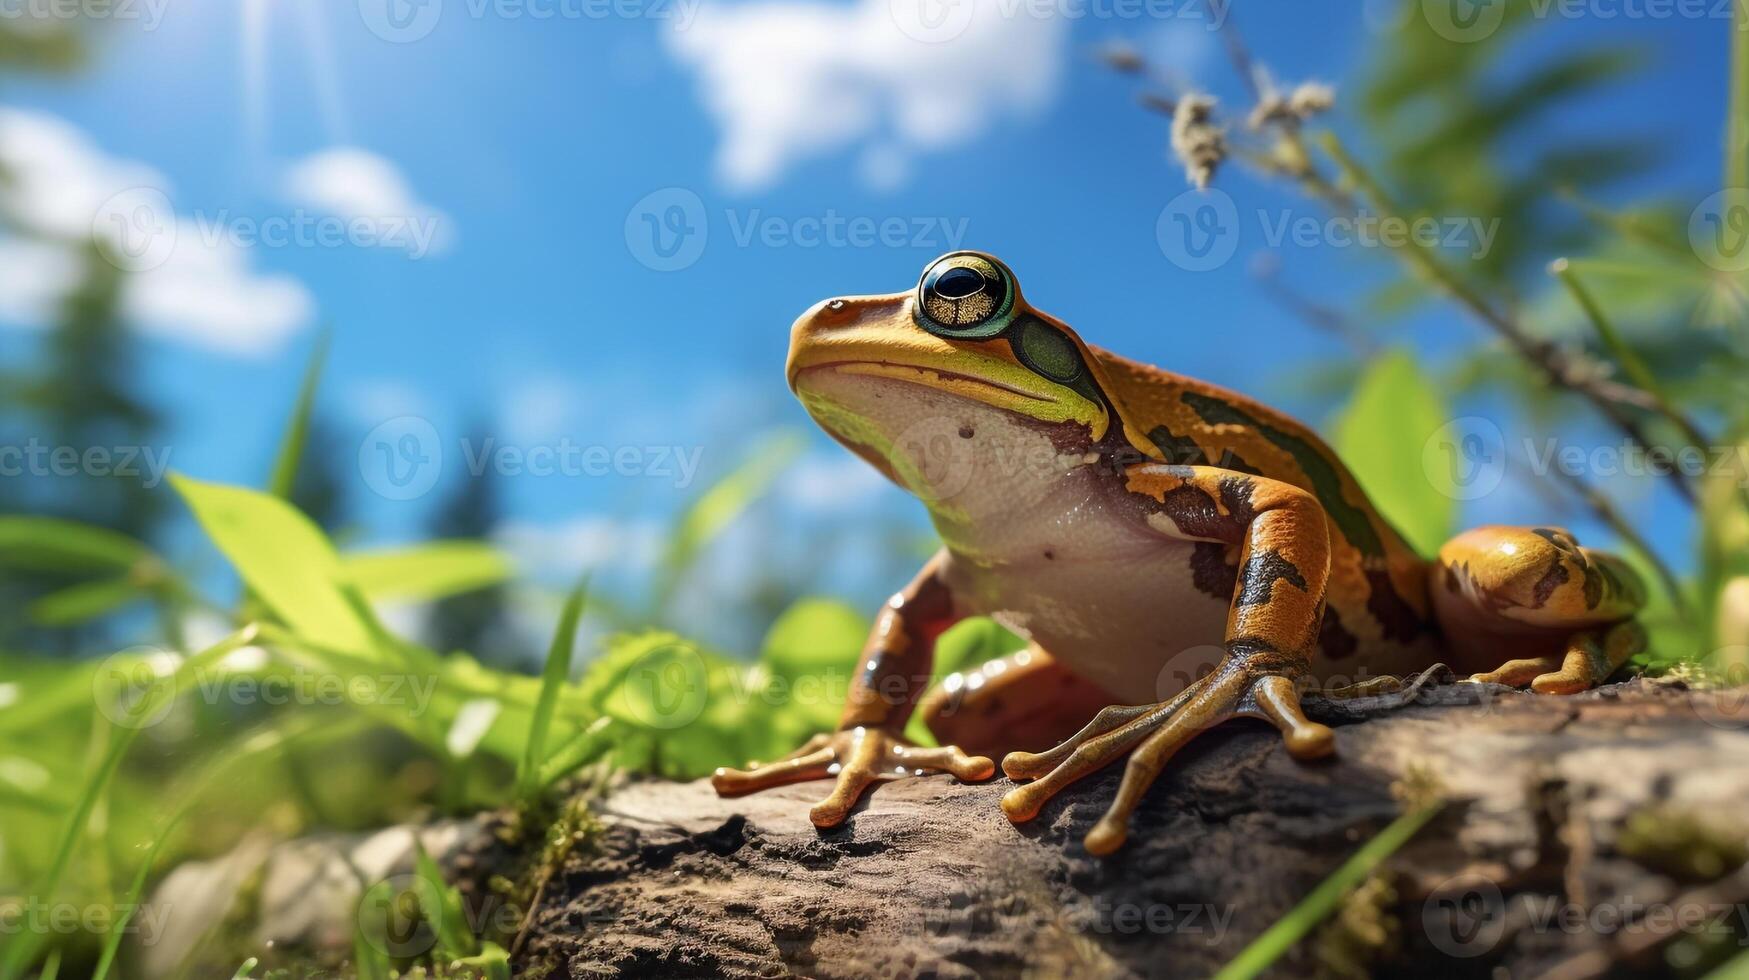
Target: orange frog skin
(1176, 554)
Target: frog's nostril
(835, 305)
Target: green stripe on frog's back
(1354, 522)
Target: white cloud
(789, 80)
(361, 186)
(188, 287)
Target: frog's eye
(964, 295)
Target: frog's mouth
(989, 391)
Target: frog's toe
(1590, 657)
(1277, 699)
(1518, 673)
(1032, 765)
(947, 758)
(816, 764)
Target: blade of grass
(1315, 907)
(717, 508)
(297, 430)
(581, 749)
(19, 953)
(454, 939)
(553, 677)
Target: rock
(300, 894)
(1550, 801)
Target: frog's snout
(830, 322)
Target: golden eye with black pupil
(964, 295)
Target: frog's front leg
(1283, 547)
(894, 673)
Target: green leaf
(49, 544)
(553, 678)
(282, 556)
(968, 643)
(814, 636)
(493, 963)
(426, 572)
(1381, 435)
(87, 600)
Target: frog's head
(884, 373)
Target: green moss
(1682, 844)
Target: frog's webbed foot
(854, 758)
(1151, 734)
(1590, 657)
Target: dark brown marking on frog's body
(1210, 571)
(1261, 573)
(1325, 480)
(1552, 579)
(1396, 618)
(1198, 515)
(1334, 640)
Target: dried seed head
(1311, 98)
(1119, 56)
(1199, 143)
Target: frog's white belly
(1114, 602)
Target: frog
(1175, 555)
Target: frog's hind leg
(1528, 606)
(1019, 701)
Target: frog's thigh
(1021, 702)
(1527, 605)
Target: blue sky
(528, 142)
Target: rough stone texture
(928, 878)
